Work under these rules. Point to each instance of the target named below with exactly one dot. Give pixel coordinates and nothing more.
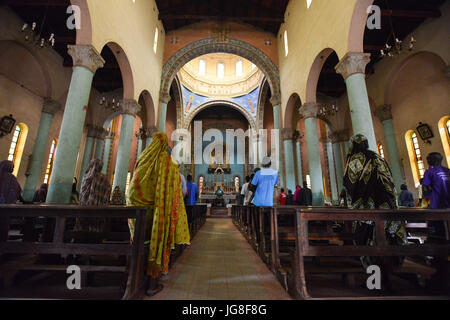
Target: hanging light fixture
(327, 109)
(397, 47)
(35, 37)
(110, 105)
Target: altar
(218, 192)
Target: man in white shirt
(245, 191)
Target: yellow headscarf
(156, 184)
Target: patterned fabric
(116, 198)
(95, 188)
(95, 191)
(10, 189)
(368, 181)
(156, 184)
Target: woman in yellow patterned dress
(156, 184)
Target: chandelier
(36, 38)
(393, 46)
(113, 105)
(327, 109)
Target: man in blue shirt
(192, 192)
(265, 181)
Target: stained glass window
(51, 157)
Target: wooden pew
(63, 241)
(303, 247)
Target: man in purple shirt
(437, 178)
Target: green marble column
(309, 112)
(332, 171)
(384, 113)
(352, 68)
(130, 108)
(100, 144)
(298, 163)
(149, 132)
(163, 101)
(88, 152)
(337, 138)
(86, 61)
(38, 156)
(288, 136)
(277, 126)
(106, 155)
(140, 135)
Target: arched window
(51, 157)
(238, 68)
(155, 41)
(444, 131)
(221, 70)
(202, 67)
(380, 150)
(17, 145)
(415, 156)
(308, 181)
(127, 185)
(286, 44)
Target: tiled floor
(220, 264)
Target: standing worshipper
(10, 190)
(437, 180)
(41, 194)
(368, 180)
(297, 195)
(283, 197)
(290, 198)
(156, 184)
(305, 195)
(192, 191)
(245, 191)
(263, 184)
(95, 191)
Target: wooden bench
(304, 247)
(56, 238)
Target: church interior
(84, 80)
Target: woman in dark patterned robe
(368, 181)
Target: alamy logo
(374, 281)
(74, 280)
(374, 20)
(74, 21)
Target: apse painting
(192, 101)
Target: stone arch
(29, 70)
(176, 87)
(84, 34)
(125, 69)
(208, 104)
(314, 74)
(212, 45)
(398, 69)
(265, 90)
(358, 26)
(147, 113)
(291, 114)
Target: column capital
(275, 100)
(101, 133)
(131, 107)
(353, 62)
(384, 112)
(149, 132)
(51, 106)
(92, 131)
(309, 110)
(109, 135)
(339, 136)
(325, 139)
(164, 97)
(287, 134)
(86, 56)
(141, 134)
(298, 136)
